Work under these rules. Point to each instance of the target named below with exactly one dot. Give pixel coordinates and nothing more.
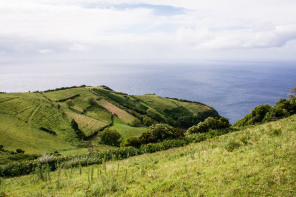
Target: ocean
(232, 88)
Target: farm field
(126, 130)
(39, 122)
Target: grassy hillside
(41, 121)
(256, 161)
(23, 114)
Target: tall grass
(262, 165)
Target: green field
(255, 161)
(40, 122)
(126, 130)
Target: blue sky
(154, 30)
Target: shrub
(245, 139)
(156, 133)
(111, 137)
(161, 132)
(20, 151)
(231, 144)
(135, 123)
(155, 115)
(132, 141)
(92, 101)
(265, 113)
(275, 132)
(70, 103)
(209, 124)
(147, 121)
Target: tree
(208, 124)
(132, 141)
(292, 94)
(161, 132)
(155, 115)
(111, 137)
(70, 103)
(92, 101)
(147, 121)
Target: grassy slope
(157, 102)
(262, 165)
(21, 117)
(23, 114)
(123, 115)
(127, 131)
(161, 103)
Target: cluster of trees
(161, 132)
(181, 117)
(265, 113)
(209, 124)
(155, 133)
(111, 137)
(64, 88)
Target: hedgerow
(52, 162)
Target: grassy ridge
(256, 161)
(41, 122)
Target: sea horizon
(233, 89)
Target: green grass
(120, 113)
(16, 134)
(86, 124)
(22, 115)
(262, 163)
(127, 131)
(157, 102)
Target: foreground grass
(257, 161)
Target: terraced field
(121, 114)
(86, 124)
(41, 121)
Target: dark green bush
(147, 121)
(155, 115)
(209, 124)
(132, 141)
(265, 113)
(20, 151)
(111, 137)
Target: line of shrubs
(64, 88)
(27, 167)
(68, 98)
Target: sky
(147, 30)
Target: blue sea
(232, 88)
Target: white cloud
(78, 47)
(259, 37)
(46, 51)
(99, 30)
